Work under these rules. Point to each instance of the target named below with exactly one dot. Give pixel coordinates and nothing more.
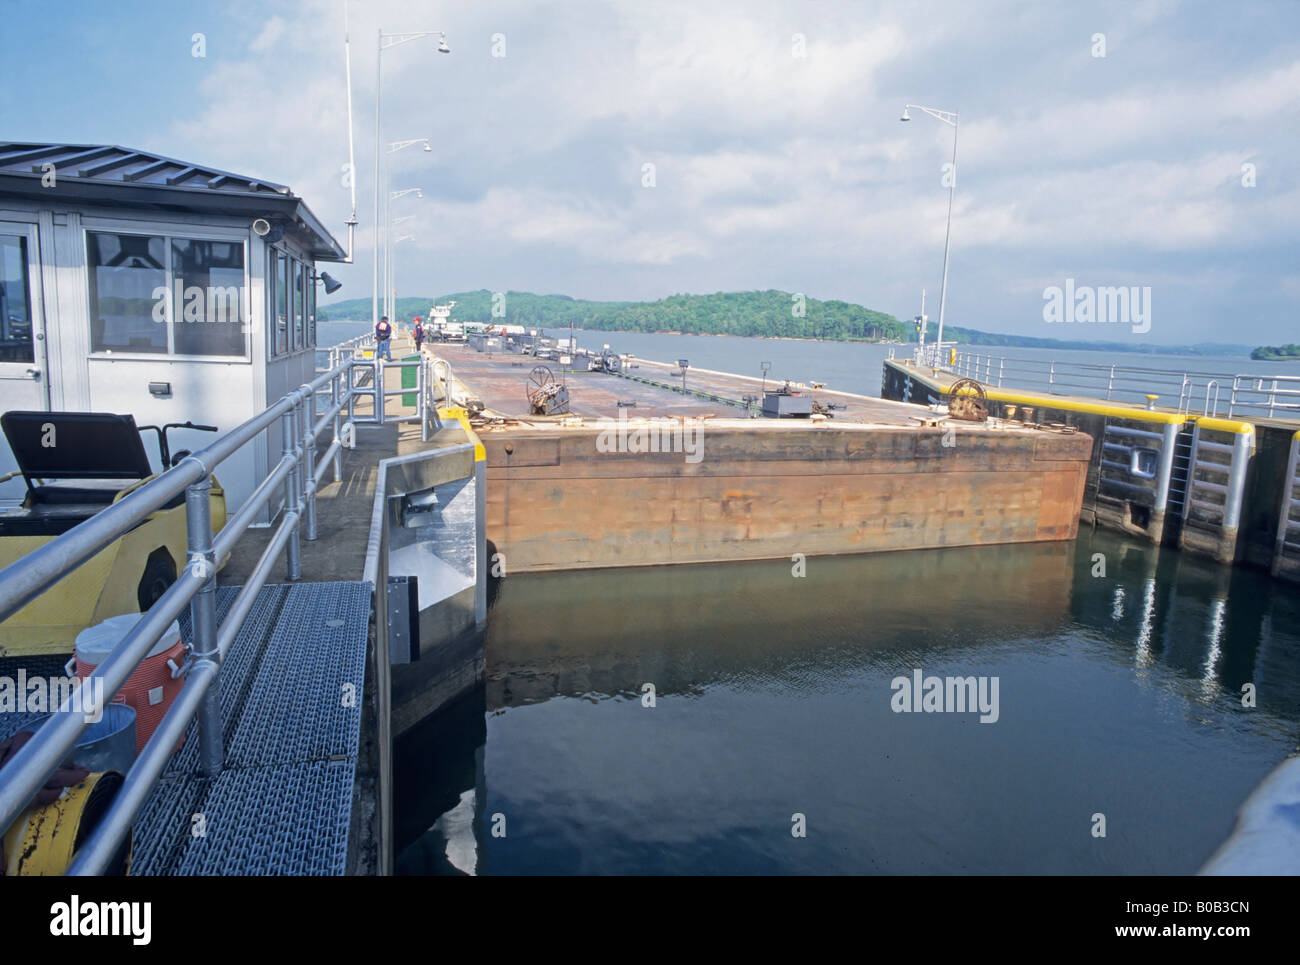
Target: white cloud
(272, 31)
(773, 168)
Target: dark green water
(1117, 695)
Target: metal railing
(934, 355)
(1195, 392)
(1278, 396)
(298, 475)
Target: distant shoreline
(1180, 351)
(984, 348)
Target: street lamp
(390, 304)
(393, 148)
(391, 267)
(384, 42)
(949, 118)
(392, 275)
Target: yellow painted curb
(462, 416)
(1224, 425)
(1059, 402)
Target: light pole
(390, 278)
(390, 306)
(384, 42)
(352, 156)
(392, 148)
(949, 118)
(392, 274)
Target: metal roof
(122, 165)
(110, 174)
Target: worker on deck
(383, 336)
(418, 334)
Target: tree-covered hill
(1277, 353)
(762, 313)
(765, 313)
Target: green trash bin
(409, 376)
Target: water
(1118, 695)
(331, 333)
(856, 366)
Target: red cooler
(156, 681)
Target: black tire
(159, 574)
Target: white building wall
(216, 392)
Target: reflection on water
(1120, 694)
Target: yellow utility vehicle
(77, 464)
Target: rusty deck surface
(500, 381)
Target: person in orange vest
(383, 336)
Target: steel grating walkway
(291, 695)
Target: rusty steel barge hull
(680, 478)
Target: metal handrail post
(289, 428)
(309, 461)
(380, 401)
(203, 614)
(338, 429)
(1001, 365)
(1272, 397)
(422, 398)
(1110, 383)
(350, 385)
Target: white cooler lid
(95, 643)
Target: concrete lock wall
(1116, 497)
(1222, 488)
(556, 502)
(1286, 554)
(1268, 501)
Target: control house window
(280, 301)
(299, 306)
(124, 271)
(213, 323)
(15, 301)
(151, 294)
(292, 295)
(311, 310)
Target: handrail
(935, 354)
(1271, 395)
(298, 472)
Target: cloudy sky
(779, 160)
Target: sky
(779, 161)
